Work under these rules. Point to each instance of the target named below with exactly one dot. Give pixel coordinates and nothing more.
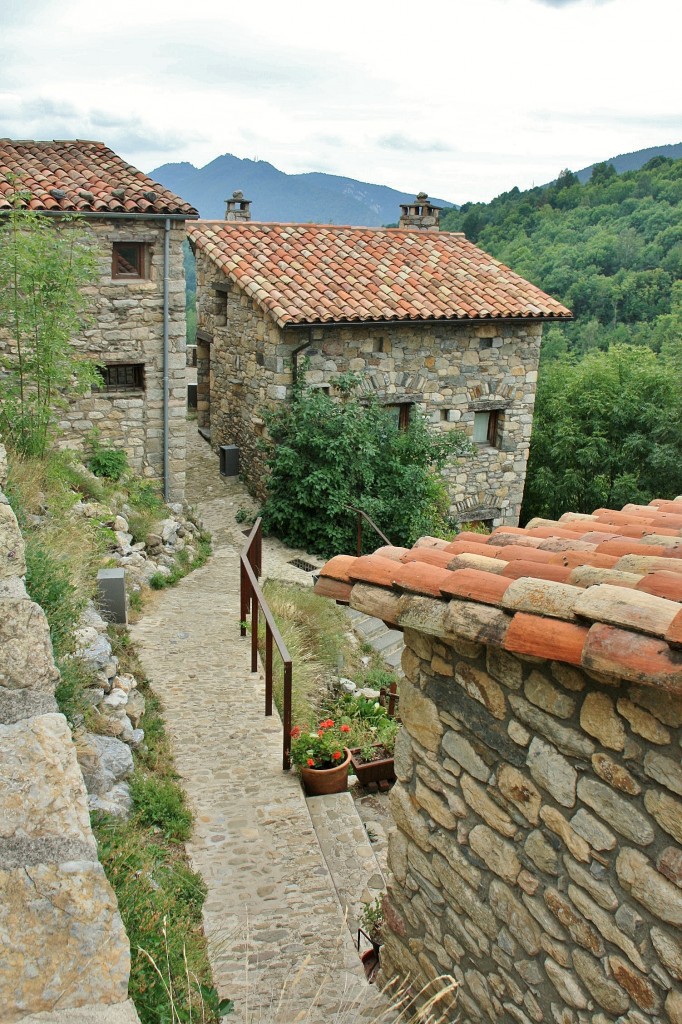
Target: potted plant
(373, 762)
(322, 757)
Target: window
(129, 260)
(486, 342)
(486, 426)
(123, 377)
(402, 413)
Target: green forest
(608, 415)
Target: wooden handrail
(363, 515)
(251, 599)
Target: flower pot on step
(323, 781)
(382, 768)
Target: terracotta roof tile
(81, 177)
(337, 567)
(314, 273)
(582, 590)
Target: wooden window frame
(138, 271)
(404, 413)
(120, 377)
(493, 427)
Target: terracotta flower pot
(322, 781)
(373, 771)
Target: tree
(328, 455)
(43, 265)
(607, 431)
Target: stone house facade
(538, 851)
(136, 331)
(427, 320)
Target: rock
(673, 1006)
(504, 668)
(103, 760)
(120, 525)
(548, 923)
(635, 984)
(642, 722)
(116, 801)
(435, 806)
(608, 994)
(545, 695)
(97, 651)
(137, 738)
(592, 831)
(481, 687)
(90, 617)
(407, 817)
(26, 659)
(346, 685)
(669, 863)
(658, 703)
(566, 984)
(669, 950)
(479, 801)
(541, 853)
(619, 812)
(552, 771)
(568, 741)
(648, 887)
(518, 733)
(580, 931)
(116, 699)
(420, 716)
(605, 924)
(555, 821)
(514, 915)
(520, 791)
(598, 717)
(600, 891)
(125, 683)
(616, 776)
(135, 707)
(12, 560)
(460, 749)
(666, 810)
(664, 770)
(495, 852)
(169, 529)
(94, 695)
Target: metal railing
(251, 600)
(363, 515)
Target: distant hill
(633, 161)
(300, 198)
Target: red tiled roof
(81, 177)
(313, 273)
(601, 591)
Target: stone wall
(62, 941)
(538, 854)
(449, 372)
(127, 327)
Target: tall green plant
(329, 455)
(44, 264)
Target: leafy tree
(607, 431)
(328, 455)
(44, 264)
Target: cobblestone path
(277, 938)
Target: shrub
(330, 455)
(48, 582)
(162, 803)
(104, 460)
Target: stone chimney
(421, 215)
(237, 208)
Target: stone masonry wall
(127, 327)
(538, 854)
(448, 371)
(62, 941)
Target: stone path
(278, 942)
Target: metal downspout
(166, 266)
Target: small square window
(129, 260)
(486, 426)
(378, 345)
(122, 377)
(486, 342)
(402, 413)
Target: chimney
(237, 208)
(421, 215)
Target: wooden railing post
(286, 746)
(243, 606)
(254, 634)
(268, 669)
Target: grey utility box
(229, 460)
(111, 593)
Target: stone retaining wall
(62, 941)
(447, 371)
(538, 854)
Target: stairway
(387, 642)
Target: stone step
(388, 642)
(370, 628)
(348, 853)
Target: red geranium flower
(296, 731)
(311, 763)
(336, 755)
(345, 728)
(320, 732)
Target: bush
(161, 802)
(48, 582)
(104, 460)
(330, 455)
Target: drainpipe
(166, 267)
(295, 353)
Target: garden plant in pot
(322, 757)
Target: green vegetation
(105, 460)
(183, 564)
(329, 455)
(607, 415)
(43, 267)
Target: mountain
(633, 161)
(300, 198)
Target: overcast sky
(461, 98)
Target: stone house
(428, 320)
(538, 851)
(137, 330)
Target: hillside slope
(300, 198)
